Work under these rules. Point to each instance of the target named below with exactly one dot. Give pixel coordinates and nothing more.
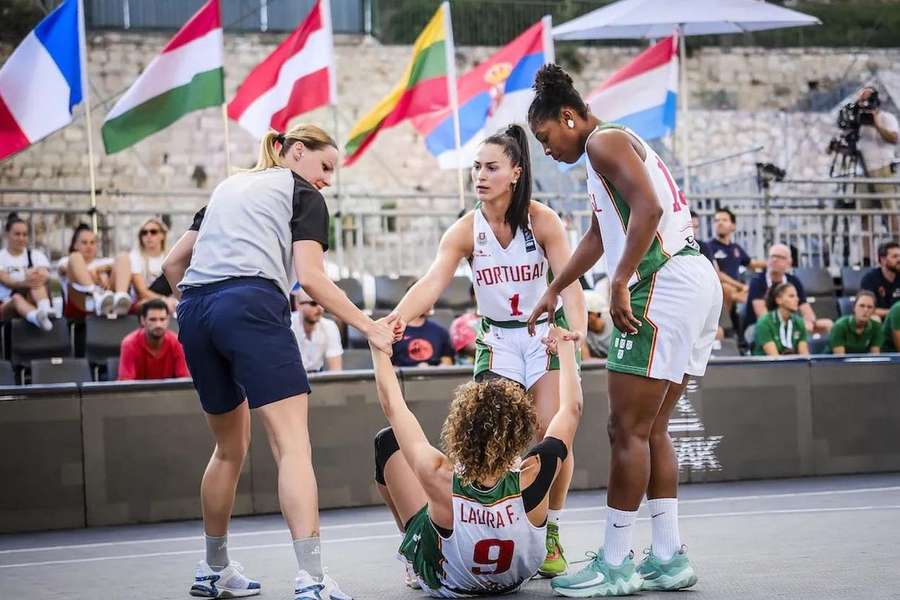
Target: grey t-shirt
(249, 227)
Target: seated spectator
(599, 323)
(779, 264)
(882, 280)
(90, 283)
(781, 330)
(704, 247)
(890, 330)
(858, 333)
(146, 263)
(728, 254)
(463, 333)
(23, 278)
(424, 343)
(318, 337)
(152, 352)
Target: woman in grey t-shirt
(260, 229)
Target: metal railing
(398, 233)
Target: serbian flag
(643, 94)
(491, 96)
(296, 78)
(43, 79)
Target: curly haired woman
(474, 518)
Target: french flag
(492, 95)
(43, 79)
(643, 94)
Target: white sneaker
(411, 580)
(103, 302)
(307, 588)
(43, 318)
(121, 303)
(230, 582)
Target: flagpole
(450, 52)
(549, 48)
(86, 92)
(683, 92)
(227, 140)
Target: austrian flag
(296, 78)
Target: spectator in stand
(882, 280)
(463, 333)
(318, 337)
(152, 352)
(781, 330)
(146, 262)
(858, 333)
(23, 278)
(779, 264)
(424, 343)
(704, 247)
(91, 283)
(599, 321)
(890, 330)
(730, 256)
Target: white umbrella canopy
(647, 19)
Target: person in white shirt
(878, 136)
(91, 283)
(23, 278)
(318, 337)
(146, 262)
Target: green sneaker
(599, 578)
(674, 574)
(555, 563)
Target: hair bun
(550, 78)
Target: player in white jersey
(665, 303)
(512, 245)
(474, 519)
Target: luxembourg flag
(643, 94)
(492, 95)
(43, 79)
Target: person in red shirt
(152, 352)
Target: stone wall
(747, 90)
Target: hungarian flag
(422, 89)
(296, 78)
(187, 76)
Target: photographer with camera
(878, 134)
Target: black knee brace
(385, 446)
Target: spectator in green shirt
(857, 333)
(782, 329)
(890, 329)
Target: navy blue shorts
(238, 343)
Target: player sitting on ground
(474, 519)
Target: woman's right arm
(455, 245)
(309, 266)
(429, 464)
(565, 422)
(178, 259)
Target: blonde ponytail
(312, 136)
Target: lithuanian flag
(422, 89)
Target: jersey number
(498, 553)
(514, 306)
(678, 198)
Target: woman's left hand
(620, 310)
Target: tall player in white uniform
(474, 519)
(512, 245)
(665, 303)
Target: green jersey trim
(507, 487)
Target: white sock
(665, 540)
(309, 556)
(619, 531)
(31, 317)
(553, 516)
(45, 304)
(84, 289)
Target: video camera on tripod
(851, 117)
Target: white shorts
(679, 308)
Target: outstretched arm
(427, 462)
(565, 421)
(552, 235)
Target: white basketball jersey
(494, 548)
(508, 281)
(674, 231)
